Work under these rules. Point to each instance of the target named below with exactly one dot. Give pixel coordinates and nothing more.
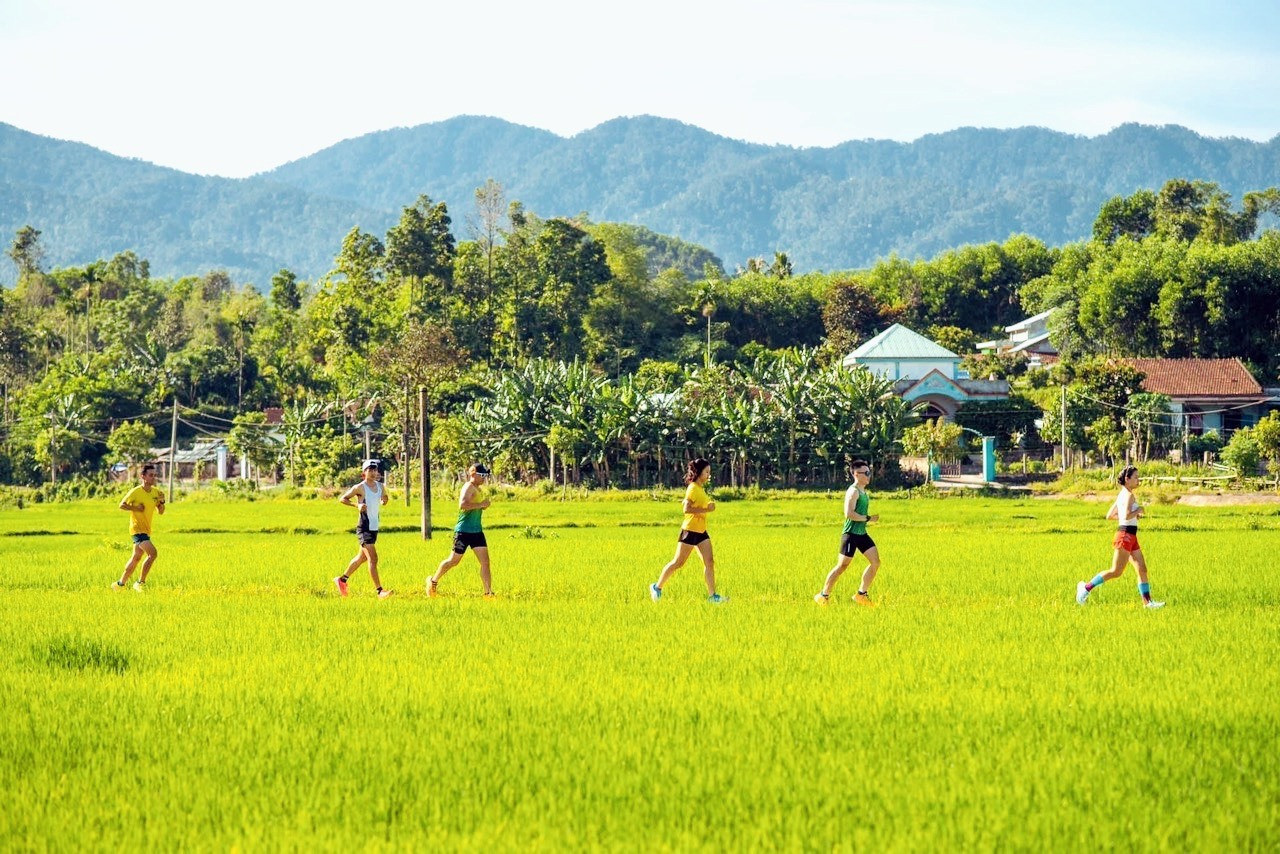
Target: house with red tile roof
(1208, 394)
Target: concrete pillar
(989, 458)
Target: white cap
(374, 464)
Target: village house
(1218, 395)
(1029, 337)
(923, 371)
(209, 457)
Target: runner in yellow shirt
(141, 503)
(693, 532)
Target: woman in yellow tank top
(693, 532)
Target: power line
(1109, 405)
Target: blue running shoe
(716, 599)
(655, 592)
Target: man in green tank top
(854, 538)
(468, 533)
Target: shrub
(237, 488)
(1242, 453)
(1206, 443)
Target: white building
(1029, 337)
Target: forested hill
(828, 208)
(89, 204)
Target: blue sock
(1145, 589)
(1097, 579)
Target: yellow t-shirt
(140, 520)
(697, 496)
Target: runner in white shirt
(1126, 511)
(371, 496)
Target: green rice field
(241, 704)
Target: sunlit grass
(240, 702)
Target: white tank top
(373, 504)
(1126, 505)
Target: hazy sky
(239, 86)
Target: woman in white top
(1126, 511)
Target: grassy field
(241, 703)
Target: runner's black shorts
(366, 537)
(141, 538)
(463, 540)
(692, 538)
(849, 543)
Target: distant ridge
(89, 204)
(828, 208)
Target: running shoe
(655, 592)
(431, 588)
(822, 598)
(139, 587)
(1153, 604)
(341, 585)
(117, 586)
(864, 600)
(490, 595)
(1082, 593)
(717, 599)
(384, 593)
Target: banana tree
(299, 420)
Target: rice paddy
(240, 703)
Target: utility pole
(173, 447)
(1186, 436)
(707, 359)
(53, 450)
(1064, 428)
(404, 448)
(424, 462)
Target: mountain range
(828, 208)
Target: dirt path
(1197, 499)
(1227, 499)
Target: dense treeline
(606, 346)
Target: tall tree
(781, 266)
(850, 314)
(420, 252)
(130, 443)
(241, 313)
(27, 252)
(362, 259)
(570, 265)
(15, 344)
(487, 224)
(286, 294)
(1126, 216)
